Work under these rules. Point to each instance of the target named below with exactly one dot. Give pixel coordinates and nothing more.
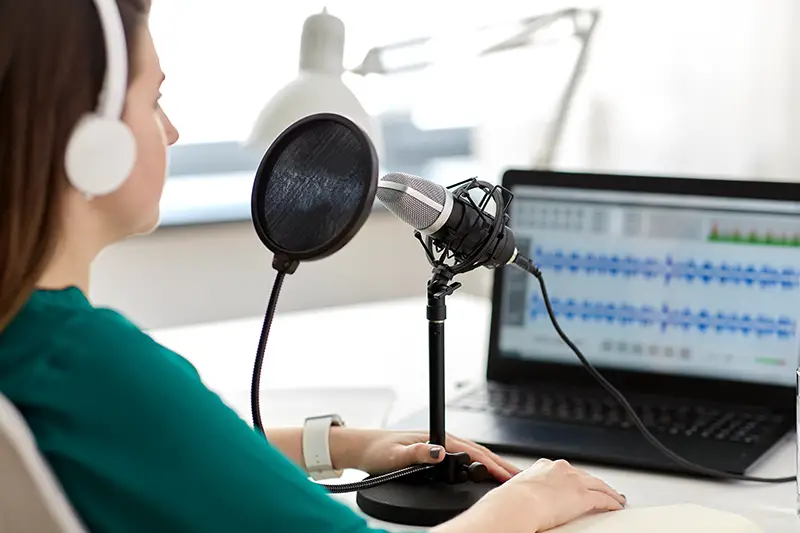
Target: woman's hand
(378, 451)
(546, 495)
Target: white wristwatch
(316, 446)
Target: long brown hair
(52, 60)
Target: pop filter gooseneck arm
(255, 386)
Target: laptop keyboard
(690, 420)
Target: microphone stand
(432, 496)
(439, 288)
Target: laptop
(684, 293)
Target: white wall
(215, 272)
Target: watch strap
(316, 446)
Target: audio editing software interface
(673, 284)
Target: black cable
(527, 265)
(256, 409)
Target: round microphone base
(423, 503)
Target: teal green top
(135, 438)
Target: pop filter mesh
(315, 187)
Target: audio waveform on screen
(668, 269)
(664, 317)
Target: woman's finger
(598, 485)
(496, 470)
(600, 501)
(511, 468)
(422, 453)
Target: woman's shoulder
(62, 336)
(58, 316)
(104, 340)
(68, 322)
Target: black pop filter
(314, 189)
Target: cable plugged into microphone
(526, 265)
(453, 227)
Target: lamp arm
(555, 131)
(373, 62)
(531, 25)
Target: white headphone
(102, 150)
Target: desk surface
(385, 345)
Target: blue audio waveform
(665, 317)
(667, 268)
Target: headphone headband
(102, 150)
(112, 96)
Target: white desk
(386, 344)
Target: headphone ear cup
(100, 155)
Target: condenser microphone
(451, 220)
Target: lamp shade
(318, 88)
(308, 94)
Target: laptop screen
(689, 285)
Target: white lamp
(318, 87)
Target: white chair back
(31, 499)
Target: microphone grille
(408, 208)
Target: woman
(136, 440)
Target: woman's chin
(145, 226)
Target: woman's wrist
(500, 510)
(346, 446)
(343, 444)
(480, 519)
